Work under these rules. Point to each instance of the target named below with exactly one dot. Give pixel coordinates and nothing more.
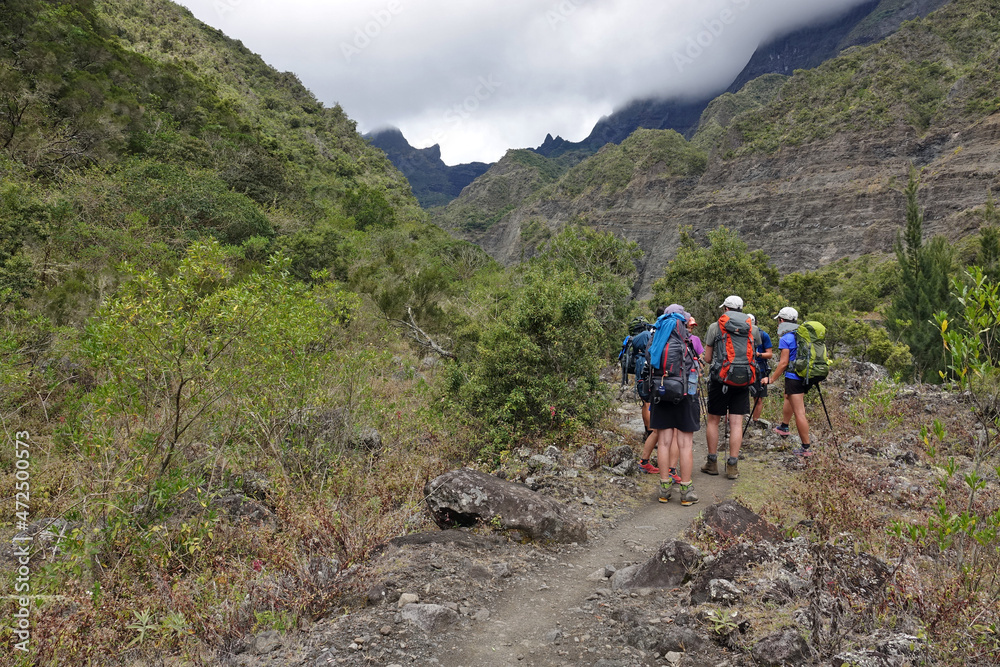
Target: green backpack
(812, 363)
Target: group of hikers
(669, 360)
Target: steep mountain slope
(130, 129)
(433, 182)
(811, 176)
(801, 49)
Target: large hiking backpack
(812, 363)
(668, 383)
(637, 325)
(734, 361)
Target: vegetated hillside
(813, 174)
(433, 182)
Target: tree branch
(421, 337)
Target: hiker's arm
(779, 370)
(766, 354)
(708, 355)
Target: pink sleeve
(698, 347)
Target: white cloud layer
(481, 76)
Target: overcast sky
(481, 76)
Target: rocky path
(549, 617)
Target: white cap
(788, 314)
(753, 319)
(732, 302)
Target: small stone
(407, 598)
(385, 630)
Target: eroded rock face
(671, 565)
(464, 497)
(805, 205)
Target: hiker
(729, 380)
(765, 352)
(699, 350)
(649, 438)
(675, 421)
(795, 387)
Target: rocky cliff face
(810, 169)
(433, 182)
(805, 205)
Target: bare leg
(758, 410)
(735, 435)
(665, 439)
(712, 433)
(798, 404)
(685, 445)
(647, 446)
(675, 451)
(786, 411)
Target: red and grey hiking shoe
(648, 467)
(782, 430)
(802, 451)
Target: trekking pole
(749, 418)
(830, 423)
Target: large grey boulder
(670, 566)
(785, 648)
(729, 519)
(431, 618)
(465, 497)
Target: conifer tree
(925, 274)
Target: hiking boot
(802, 451)
(666, 489)
(732, 471)
(782, 430)
(648, 467)
(710, 468)
(688, 496)
(674, 476)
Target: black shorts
(759, 390)
(723, 399)
(798, 386)
(684, 416)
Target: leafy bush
(700, 278)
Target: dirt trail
(544, 619)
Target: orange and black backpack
(733, 352)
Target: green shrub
(700, 278)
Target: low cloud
(549, 67)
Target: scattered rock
(729, 519)
(431, 618)
(407, 598)
(466, 497)
(670, 566)
(787, 647)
